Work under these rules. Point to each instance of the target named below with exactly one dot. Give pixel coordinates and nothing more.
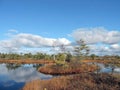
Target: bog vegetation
(83, 81)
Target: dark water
(13, 76)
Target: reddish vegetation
(28, 61)
(83, 81)
(67, 69)
(116, 62)
(99, 61)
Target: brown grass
(83, 81)
(28, 61)
(70, 68)
(113, 62)
(99, 61)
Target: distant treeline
(105, 57)
(59, 56)
(15, 56)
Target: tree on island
(81, 49)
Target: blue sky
(59, 19)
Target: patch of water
(107, 68)
(13, 77)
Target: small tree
(60, 58)
(81, 50)
(93, 56)
(68, 57)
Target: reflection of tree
(112, 68)
(37, 66)
(13, 66)
(106, 65)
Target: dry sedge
(83, 81)
(67, 69)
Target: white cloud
(96, 49)
(100, 40)
(29, 40)
(13, 31)
(8, 46)
(104, 49)
(115, 46)
(96, 35)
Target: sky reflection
(18, 76)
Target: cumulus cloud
(96, 35)
(100, 50)
(8, 46)
(100, 40)
(29, 40)
(115, 46)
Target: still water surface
(13, 77)
(108, 68)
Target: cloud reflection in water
(22, 74)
